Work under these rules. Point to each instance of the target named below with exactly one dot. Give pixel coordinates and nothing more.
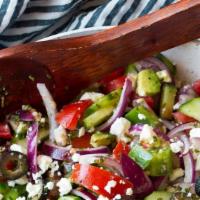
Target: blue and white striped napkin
(23, 21)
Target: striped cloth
(23, 21)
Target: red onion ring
(186, 143)
(98, 150)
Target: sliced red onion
(169, 124)
(156, 62)
(160, 182)
(98, 150)
(161, 134)
(186, 143)
(84, 194)
(50, 106)
(25, 115)
(145, 64)
(136, 128)
(32, 135)
(121, 107)
(180, 128)
(195, 141)
(56, 152)
(113, 164)
(189, 165)
(142, 183)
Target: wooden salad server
(68, 65)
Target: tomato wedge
(115, 84)
(70, 114)
(97, 180)
(196, 86)
(5, 131)
(120, 148)
(180, 117)
(82, 142)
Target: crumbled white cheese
(94, 96)
(54, 167)
(11, 183)
(60, 136)
(18, 148)
(141, 116)
(147, 134)
(21, 198)
(49, 185)
(111, 184)
(81, 132)
(44, 162)
(120, 127)
(75, 157)
(164, 76)
(34, 190)
(1, 196)
(102, 198)
(118, 196)
(87, 159)
(64, 186)
(197, 167)
(43, 120)
(195, 133)
(129, 191)
(37, 177)
(22, 181)
(95, 187)
(176, 147)
(189, 194)
(176, 173)
(37, 115)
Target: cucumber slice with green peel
(167, 100)
(167, 62)
(109, 100)
(141, 156)
(131, 69)
(159, 195)
(148, 83)
(161, 163)
(69, 197)
(97, 117)
(141, 115)
(191, 108)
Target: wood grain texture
(75, 63)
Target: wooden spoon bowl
(68, 65)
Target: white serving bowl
(186, 57)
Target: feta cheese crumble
(111, 184)
(34, 190)
(49, 185)
(44, 162)
(21, 198)
(120, 127)
(1, 197)
(195, 133)
(176, 173)
(18, 148)
(129, 191)
(60, 136)
(81, 132)
(147, 134)
(64, 186)
(102, 198)
(94, 96)
(95, 187)
(141, 116)
(75, 157)
(118, 196)
(176, 147)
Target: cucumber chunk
(98, 117)
(109, 100)
(167, 101)
(191, 108)
(69, 197)
(159, 195)
(141, 115)
(148, 83)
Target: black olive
(13, 165)
(197, 186)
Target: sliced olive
(13, 165)
(197, 186)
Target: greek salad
(135, 134)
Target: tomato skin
(70, 114)
(120, 148)
(89, 176)
(150, 101)
(82, 142)
(196, 86)
(115, 84)
(182, 118)
(5, 132)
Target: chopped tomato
(180, 117)
(150, 101)
(196, 86)
(70, 114)
(120, 148)
(89, 176)
(115, 74)
(82, 142)
(115, 84)
(5, 131)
